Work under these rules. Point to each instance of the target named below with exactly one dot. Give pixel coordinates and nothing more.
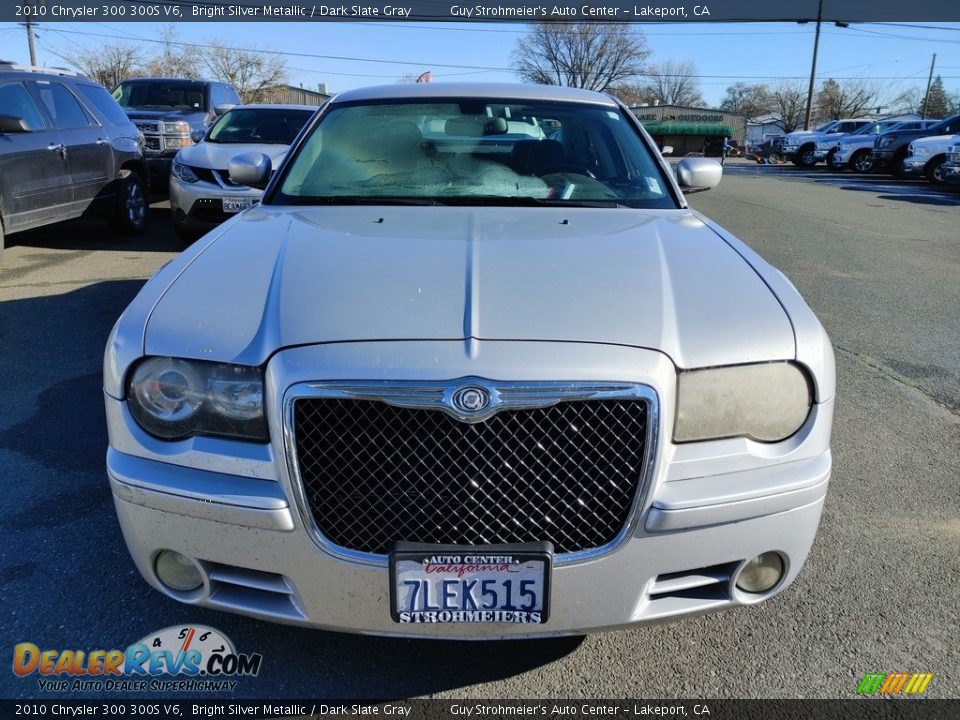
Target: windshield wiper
(359, 200)
(528, 201)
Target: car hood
(279, 277)
(936, 140)
(215, 156)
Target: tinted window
(178, 94)
(16, 101)
(248, 125)
(106, 105)
(64, 108)
(230, 95)
(477, 152)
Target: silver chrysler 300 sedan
(471, 369)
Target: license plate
(456, 584)
(236, 205)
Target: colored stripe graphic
(894, 683)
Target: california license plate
(458, 584)
(235, 205)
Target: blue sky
(897, 54)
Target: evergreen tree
(938, 104)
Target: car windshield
(826, 126)
(273, 126)
(179, 95)
(476, 152)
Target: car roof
(499, 91)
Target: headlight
(766, 402)
(176, 143)
(889, 140)
(176, 128)
(920, 151)
(183, 172)
(174, 399)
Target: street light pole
(813, 68)
(926, 95)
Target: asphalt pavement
(879, 262)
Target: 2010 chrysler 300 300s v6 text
(472, 369)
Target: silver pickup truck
(801, 146)
(855, 151)
(951, 165)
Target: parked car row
(69, 148)
(910, 148)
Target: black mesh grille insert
(374, 474)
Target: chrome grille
(373, 473)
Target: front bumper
(234, 509)
(199, 206)
(158, 168)
(882, 158)
(914, 167)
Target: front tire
(804, 157)
(862, 161)
(896, 165)
(934, 170)
(130, 216)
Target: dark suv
(891, 148)
(172, 114)
(66, 150)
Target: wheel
(934, 170)
(188, 236)
(775, 158)
(805, 158)
(130, 217)
(896, 165)
(862, 161)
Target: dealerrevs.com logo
(190, 658)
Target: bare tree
(853, 98)
(176, 59)
(673, 83)
(790, 104)
(250, 72)
(751, 101)
(109, 64)
(596, 56)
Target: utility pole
(926, 96)
(33, 50)
(813, 68)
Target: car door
(34, 175)
(88, 150)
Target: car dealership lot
(876, 259)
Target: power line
(421, 63)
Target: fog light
(178, 572)
(761, 573)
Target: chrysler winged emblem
(471, 399)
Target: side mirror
(666, 150)
(252, 169)
(219, 110)
(197, 135)
(10, 125)
(698, 174)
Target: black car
(172, 113)
(66, 150)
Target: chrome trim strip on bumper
(198, 493)
(743, 495)
(433, 396)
